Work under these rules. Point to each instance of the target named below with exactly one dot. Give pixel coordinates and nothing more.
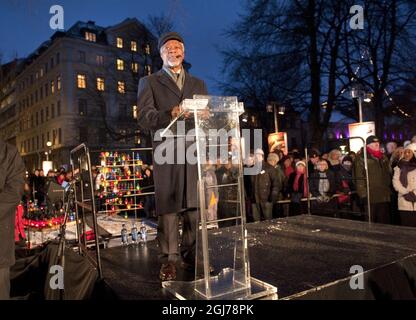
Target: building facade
(81, 87)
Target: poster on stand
(278, 141)
(360, 129)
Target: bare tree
(160, 24)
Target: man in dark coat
(379, 176)
(159, 99)
(12, 171)
(266, 188)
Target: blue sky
(24, 25)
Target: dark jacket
(379, 175)
(266, 185)
(314, 183)
(12, 171)
(175, 184)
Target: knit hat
(411, 147)
(300, 163)
(371, 139)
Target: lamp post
(360, 95)
(49, 145)
(271, 107)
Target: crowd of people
(335, 184)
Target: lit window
(81, 81)
(100, 84)
(147, 49)
(134, 46)
(90, 36)
(120, 64)
(41, 72)
(148, 70)
(135, 67)
(52, 87)
(119, 42)
(134, 112)
(121, 87)
(58, 83)
(100, 60)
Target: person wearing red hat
(158, 102)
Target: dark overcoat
(12, 171)
(175, 184)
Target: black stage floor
(295, 254)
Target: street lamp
(49, 145)
(271, 107)
(360, 95)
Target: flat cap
(169, 36)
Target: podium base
(223, 286)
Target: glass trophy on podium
(222, 267)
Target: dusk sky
(24, 25)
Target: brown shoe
(167, 272)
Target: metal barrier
(85, 204)
(366, 178)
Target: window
(134, 112)
(33, 143)
(47, 113)
(43, 141)
(46, 90)
(148, 70)
(41, 116)
(41, 72)
(100, 60)
(100, 84)
(47, 137)
(90, 36)
(59, 136)
(41, 92)
(82, 56)
(52, 111)
(121, 88)
(37, 142)
(83, 134)
(135, 67)
(123, 133)
(52, 87)
(122, 111)
(58, 58)
(32, 122)
(120, 64)
(58, 83)
(81, 81)
(46, 68)
(53, 137)
(134, 46)
(58, 111)
(31, 99)
(82, 107)
(51, 63)
(147, 49)
(36, 96)
(37, 118)
(119, 42)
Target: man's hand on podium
(177, 110)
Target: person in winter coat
(297, 188)
(323, 185)
(266, 188)
(12, 170)
(404, 181)
(159, 101)
(379, 175)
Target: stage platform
(305, 257)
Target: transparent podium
(222, 268)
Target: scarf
(376, 154)
(288, 171)
(305, 184)
(323, 183)
(406, 167)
